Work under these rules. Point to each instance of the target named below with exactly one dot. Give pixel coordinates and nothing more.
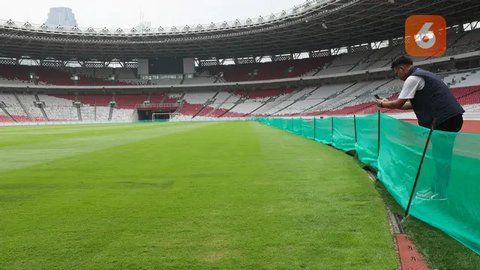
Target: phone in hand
(377, 97)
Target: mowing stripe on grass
(25, 135)
(30, 153)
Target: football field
(225, 195)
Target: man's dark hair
(401, 61)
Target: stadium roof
(316, 25)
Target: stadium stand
(122, 114)
(59, 109)
(4, 117)
(27, 101)
(49, 76)
(334, 99)
(353, 97)
(129, 101)
(311, 98)
(13, 107)
(266, 71)
(328, 65)
(96, 100)
(88, 113)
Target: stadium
(222, 145)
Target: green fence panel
(401, 148)
(289, 124)
(451, 175)
(307, 128)
(344, 133)
(323, 130)
(279, 123)
(297, 126)
(367, 139)
(282, 123)
(450, 171)
(447, 192)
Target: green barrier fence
(324, 130)
(307, 128)
(367, 139)
(343, 133)
(447, 195)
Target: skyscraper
(61, 16)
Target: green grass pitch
(231, 195)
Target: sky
(126, 14)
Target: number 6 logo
(425, 38)
(425, 35)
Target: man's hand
(380, 101)
(402, 104)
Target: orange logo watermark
(425, 35)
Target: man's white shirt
(411, 85)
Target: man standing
(435, 107)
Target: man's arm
(409, 88)
(407, 106)
(402, 104)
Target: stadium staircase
(205, 106)
(363, 108)
(111, 105)
(218, 108)
(218, 79)
(240, 101)
(79, 113)
(7, 113)
(29, 117)
(331, 97)
(110, 113)
(278, 100)
(317, 70)
(164, 98)
(305, 96)
(368, 94)
(179, 108)
(42, 109)
(208, 109)
(201, 109)
(271, 99)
